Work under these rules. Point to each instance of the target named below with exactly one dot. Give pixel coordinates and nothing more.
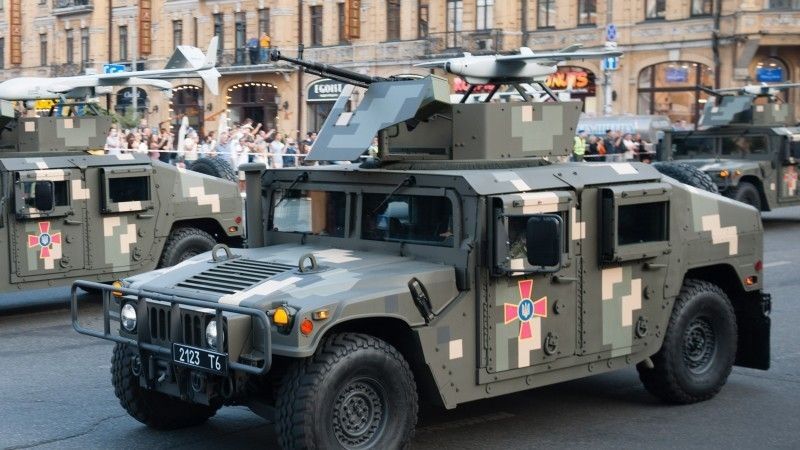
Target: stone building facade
(670, 46)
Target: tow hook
(198, 382)
(136, 366)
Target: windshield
(407, 218)
(684, 147)
(310, 212)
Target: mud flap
(752, 317)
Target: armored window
(413, 219)
(319, 213)
(52, 184)
(684, 146)
(743, 146)
(635, 221)
(127, 189)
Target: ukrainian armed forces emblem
(47, 243)
(527, 312)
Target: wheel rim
(700, 345)
(359, 413)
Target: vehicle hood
(266, 277)
(715, 165)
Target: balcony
(69, 7)
(475, 42)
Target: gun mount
(53, 133)
(748, 105)
(414, 120)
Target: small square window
(642, 223)
(129, 189)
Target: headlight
(211, 334)
(127, 317)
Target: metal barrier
(175, 302)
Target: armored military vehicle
(462, 265)
(66, 214)
(748, 143)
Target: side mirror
(543, 236)
(43, 195)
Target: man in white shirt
(276, 151)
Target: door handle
(72, 222)
(654, 266)
(145, 216)
(562, 279)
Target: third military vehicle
(748, 143)
(461, 265)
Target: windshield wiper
(408, 182)
(302, 177)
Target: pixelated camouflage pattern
(57, 134)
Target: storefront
(124, 102)
(254, 100)
(320, 96)
(187, 101)
(578, 82)
(673, 89)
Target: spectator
(592, 151)
(276, 151)
(613, 146)
(290, 153)
(113, 142)
(154, 147)
(630, 152)
(252, 49)
(165, 145)
(190, 149)
(264, 44)
(579, 146)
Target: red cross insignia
(790, 177)
(525, 310)
(49, 244)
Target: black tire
(216, 167)
(699, 346)
(154, 409)
(687, 174)
(747, 193)
(184, 243)
(356, 391)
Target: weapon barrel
(325, 69)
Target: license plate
(200, 359)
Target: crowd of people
(613, 147)
(243, 143)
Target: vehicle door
(48, 231)
(788, 173)
(625, 266)
(533, 290)
(123, 233)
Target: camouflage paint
(120, 236)
(622, 297)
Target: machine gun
(739, 105)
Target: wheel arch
(759, 185)
(211, 227)
(753, 345)
(401, 336)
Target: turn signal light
(759, 266)
(320, 314)
(280, 317)
(306, 327)
(724, 174)
(737, 172)
(232, 229)
(751, 280)
(117, 284)
(238, 220)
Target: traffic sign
(113, 68)
(611, 32)
(610, 63)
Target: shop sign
(582, 81)
(125, 97)
(324, 90)
(677, 75)
(769, 74)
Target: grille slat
(233, 276)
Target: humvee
(462, 265)
(66, 214)
(748, 144)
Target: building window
(673, 89)
(455, 13)
(240, 36)
(84, 46)
(316, 25)
(587, 12)
(2, 53)
(263, 21)
(70, 47)
(783, 4)
(195, 32)
(123, 43)
(485, 11)
(546, 14)
(702, 7)
(392, 20)
(423, 17)
(342, 25)
(655, 9)
(43, 49)
(177, 33)
(219, 30)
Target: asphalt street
(55, 391)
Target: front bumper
(144, 341)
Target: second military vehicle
(748, 143)
(462, 265)
(66, 214)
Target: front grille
(233, 276)
(194, 328)
(159, 317)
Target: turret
(749, 105)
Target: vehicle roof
(41, 161)
(490, 181)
